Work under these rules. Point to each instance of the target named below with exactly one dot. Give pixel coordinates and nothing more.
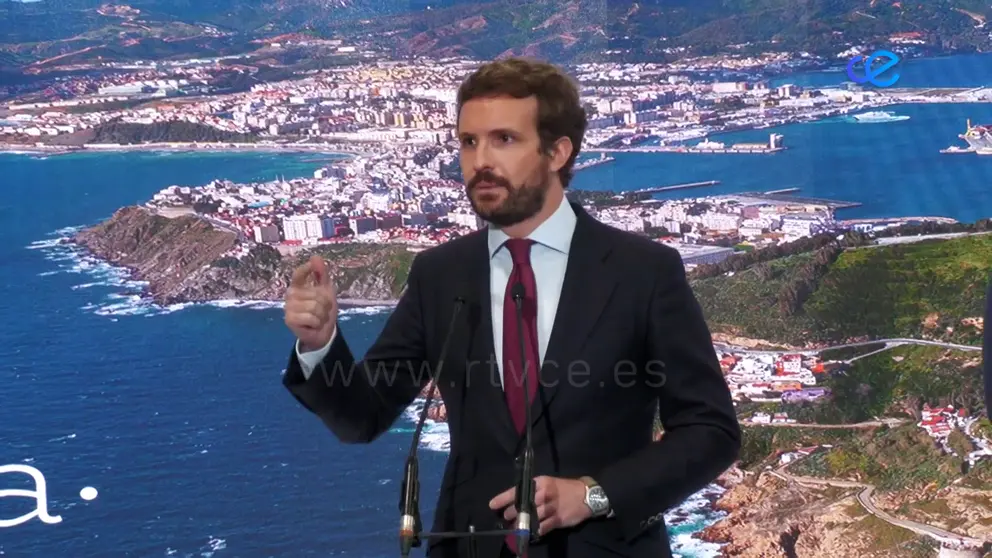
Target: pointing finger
(300, 275)
(319, 268)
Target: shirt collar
(555, 232)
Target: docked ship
(979, 138)
(877, 116)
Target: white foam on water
(435, 436)
(210, 549)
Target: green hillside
(920, 290)
(566, 31)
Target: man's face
(505, 171)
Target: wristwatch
(596, 497)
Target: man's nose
(483, 158)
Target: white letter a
(39, 494)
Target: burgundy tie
(514, 366)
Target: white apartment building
(301, 227)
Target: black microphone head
(517, 291)
(463, 292)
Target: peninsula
(186, 258)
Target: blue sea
(176, 417)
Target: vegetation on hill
(173, 131)
(360, 263)
(899, 458)
(894, 383)
(897, 383)
(575, 30)
(921, 290)
(893, 459)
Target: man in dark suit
(608, 314)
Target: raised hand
(311, 305)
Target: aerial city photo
(823, 168)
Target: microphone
(410, 525)
(526, 487)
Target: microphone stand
(411, 535)
(410, 523)
(526, 486)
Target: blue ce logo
(872, 72)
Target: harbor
(658, 189)
(783, 196)
(774, 145)
(601, 160)
(740, 148)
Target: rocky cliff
(769, 517)
(188, 259)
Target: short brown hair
(559, 111)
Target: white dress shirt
(548, 257)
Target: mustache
(489, 177)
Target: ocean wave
(435, 435)
(684, 522)
(127, 297)
(208, 550)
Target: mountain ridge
(571, 31)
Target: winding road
(889, 343)
(864, 498)
(866, 424)
(946, 538)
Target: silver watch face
(596, 500)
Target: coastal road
(865, 424)
(893, 240)
(895, 342)
(864, 498)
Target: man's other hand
(560, 503)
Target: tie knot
(519, 250)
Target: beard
(519, 202)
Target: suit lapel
(482, 371)
(588, 286)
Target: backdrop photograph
(823, 168)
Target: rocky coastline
(187, 258)
(769, 517)
(437, 411)
(766, 516)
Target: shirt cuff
(310, 359)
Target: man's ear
(560, 152)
